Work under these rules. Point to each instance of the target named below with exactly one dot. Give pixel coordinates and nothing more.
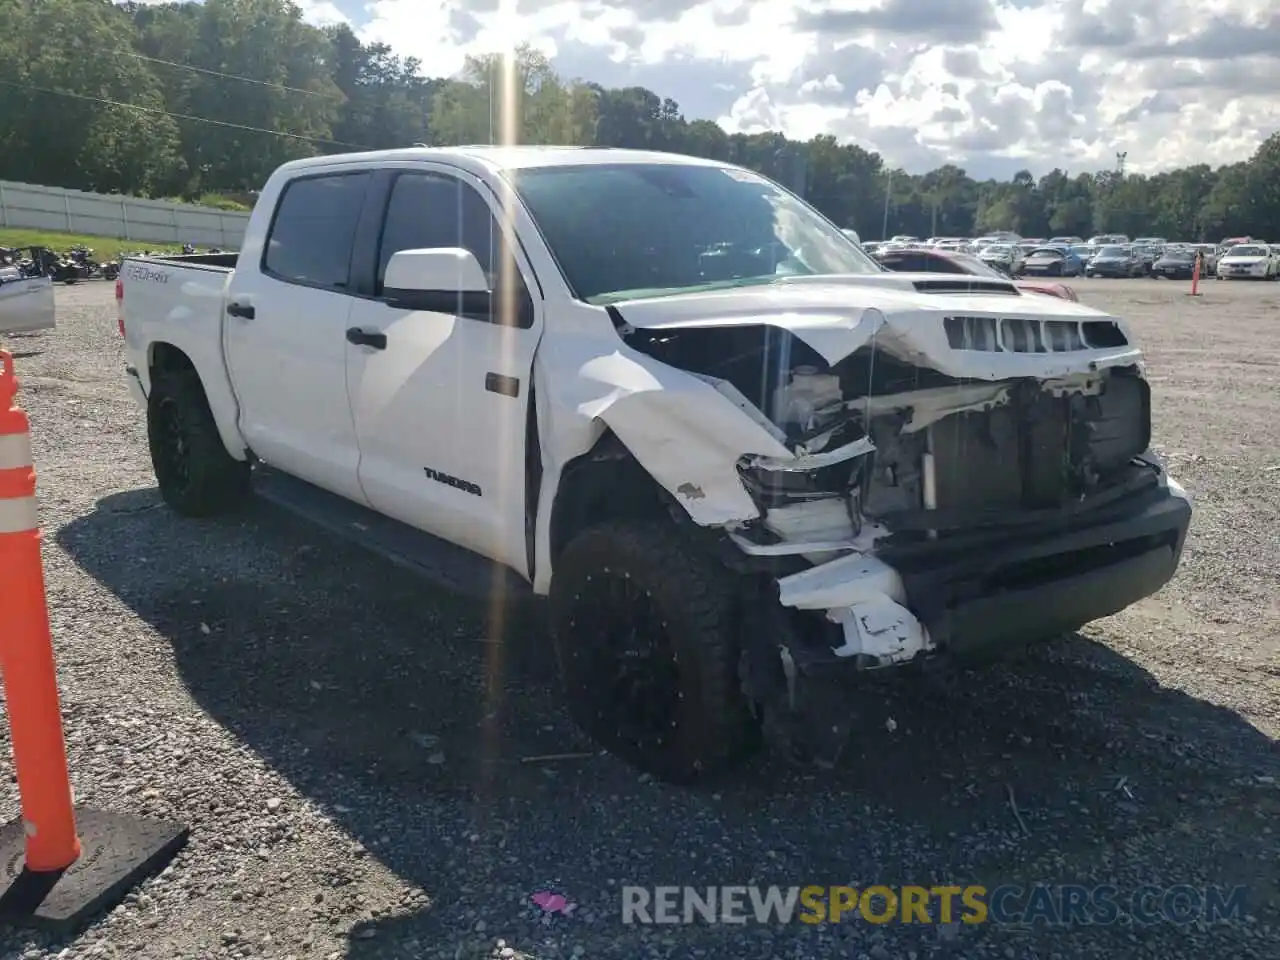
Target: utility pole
(888, 188)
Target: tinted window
(314, 228)
(427, 211)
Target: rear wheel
(196, 475)
(646, 633)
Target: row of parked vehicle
(71, 266)
(1106, 255)
(78, 263)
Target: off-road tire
(196, 475)
(696, 605)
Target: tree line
(191, 100)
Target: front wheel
(646, 633)
(196, 474)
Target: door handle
(362, 338)
(497, 383)
(244, 311)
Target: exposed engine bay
(891, 456)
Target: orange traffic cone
(26, 651)
(44, 880)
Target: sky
(993, 86)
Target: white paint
(15, 450)
(837, 315)
(27, 305)
(18, 515)
(840, 583)
(882, 629)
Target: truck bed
(226, 261)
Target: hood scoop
(966, 286)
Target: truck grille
(1040, 450)
(1019, 335)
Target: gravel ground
(351, 749)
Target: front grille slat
(1023, 335)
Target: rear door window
(314, 230)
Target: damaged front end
(955, 483)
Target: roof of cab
(477, 157)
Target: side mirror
(450, 270)
(450, 280)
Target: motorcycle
(82, 256)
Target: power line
(231, 76)
(182, 116)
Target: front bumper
(967, 598)
(988, 587)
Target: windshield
(1178, 255)
(1114, 252)
(1243, 251)
(1045, 253)
(628, 230)
(999, 249)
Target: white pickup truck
(744, 462)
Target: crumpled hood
(1244, 261)
(837, 315)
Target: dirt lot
(350, 749)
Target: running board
(449, 566)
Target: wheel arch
(165, 357)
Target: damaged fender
(685, 430)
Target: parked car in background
(1005, 257)
(1147, 256)
(1175, 263)
(1150, 242)
(1108, 240)
(1248, 261)
(1115, 260)
(951, 262)
(1051, 262)
(1065, 241)
(1209, 258)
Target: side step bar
(445, 564)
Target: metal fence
(31, 207)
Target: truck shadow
(431, 731)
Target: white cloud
(989, 84)
(321, 13)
